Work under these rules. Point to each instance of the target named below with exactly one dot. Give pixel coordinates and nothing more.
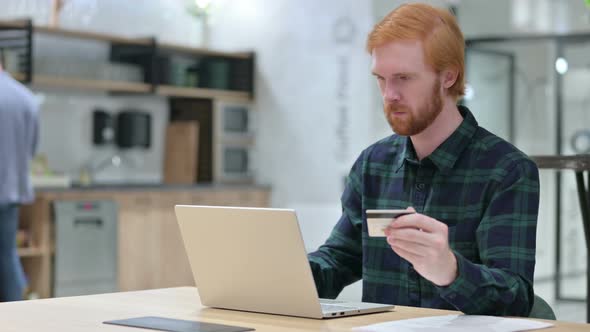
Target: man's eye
(404, 78)
(379, 78)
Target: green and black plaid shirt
(482, 187)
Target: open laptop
(254, 259)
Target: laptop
(254, 259)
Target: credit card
(379, 220)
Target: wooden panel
(30, 252)
(85, 84)
(181, 152)
(139, 243)
(92, 35)
(204, 51)
(175, 91)
(174, 267)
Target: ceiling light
(561, 65)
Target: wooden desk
(86, 313)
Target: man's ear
(449, 77)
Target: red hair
(437, 29)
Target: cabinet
(161, 68)
(150, 250)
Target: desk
(86, 313)
(579, 164)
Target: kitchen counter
(150, 250)
(152, 187)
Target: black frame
(19, 36)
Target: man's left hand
(424, 242)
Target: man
(18, 141)
(471, 244)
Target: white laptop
(254, 259)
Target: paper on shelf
(456, 323)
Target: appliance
(233, 142)
(85, 247)
(133, 129)
(103, 127)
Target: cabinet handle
(88, 222)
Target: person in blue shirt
(19, 132)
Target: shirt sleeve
(506, 237)
(338, 262)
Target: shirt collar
(446, 154)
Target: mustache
(396, 108)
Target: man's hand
(424, 242)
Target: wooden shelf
(174, 91)
(92, 36)
(17, 24)
(85, 84)
(132, 87)
(123, 40)
(30, 252)
(203, 51)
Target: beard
(414, 122)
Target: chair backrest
(541, 309)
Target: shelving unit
(169, 70)
(154, 58)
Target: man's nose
(391, 93)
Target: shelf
(30, 252)
(174, 91)
(93, 36)
(132, 87)
(142, 52)
(85, 84)
(22, 24)
(204, 51)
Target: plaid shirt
(482, 187)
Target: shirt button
(420, 186)
(452, 296)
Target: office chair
(541, 309)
